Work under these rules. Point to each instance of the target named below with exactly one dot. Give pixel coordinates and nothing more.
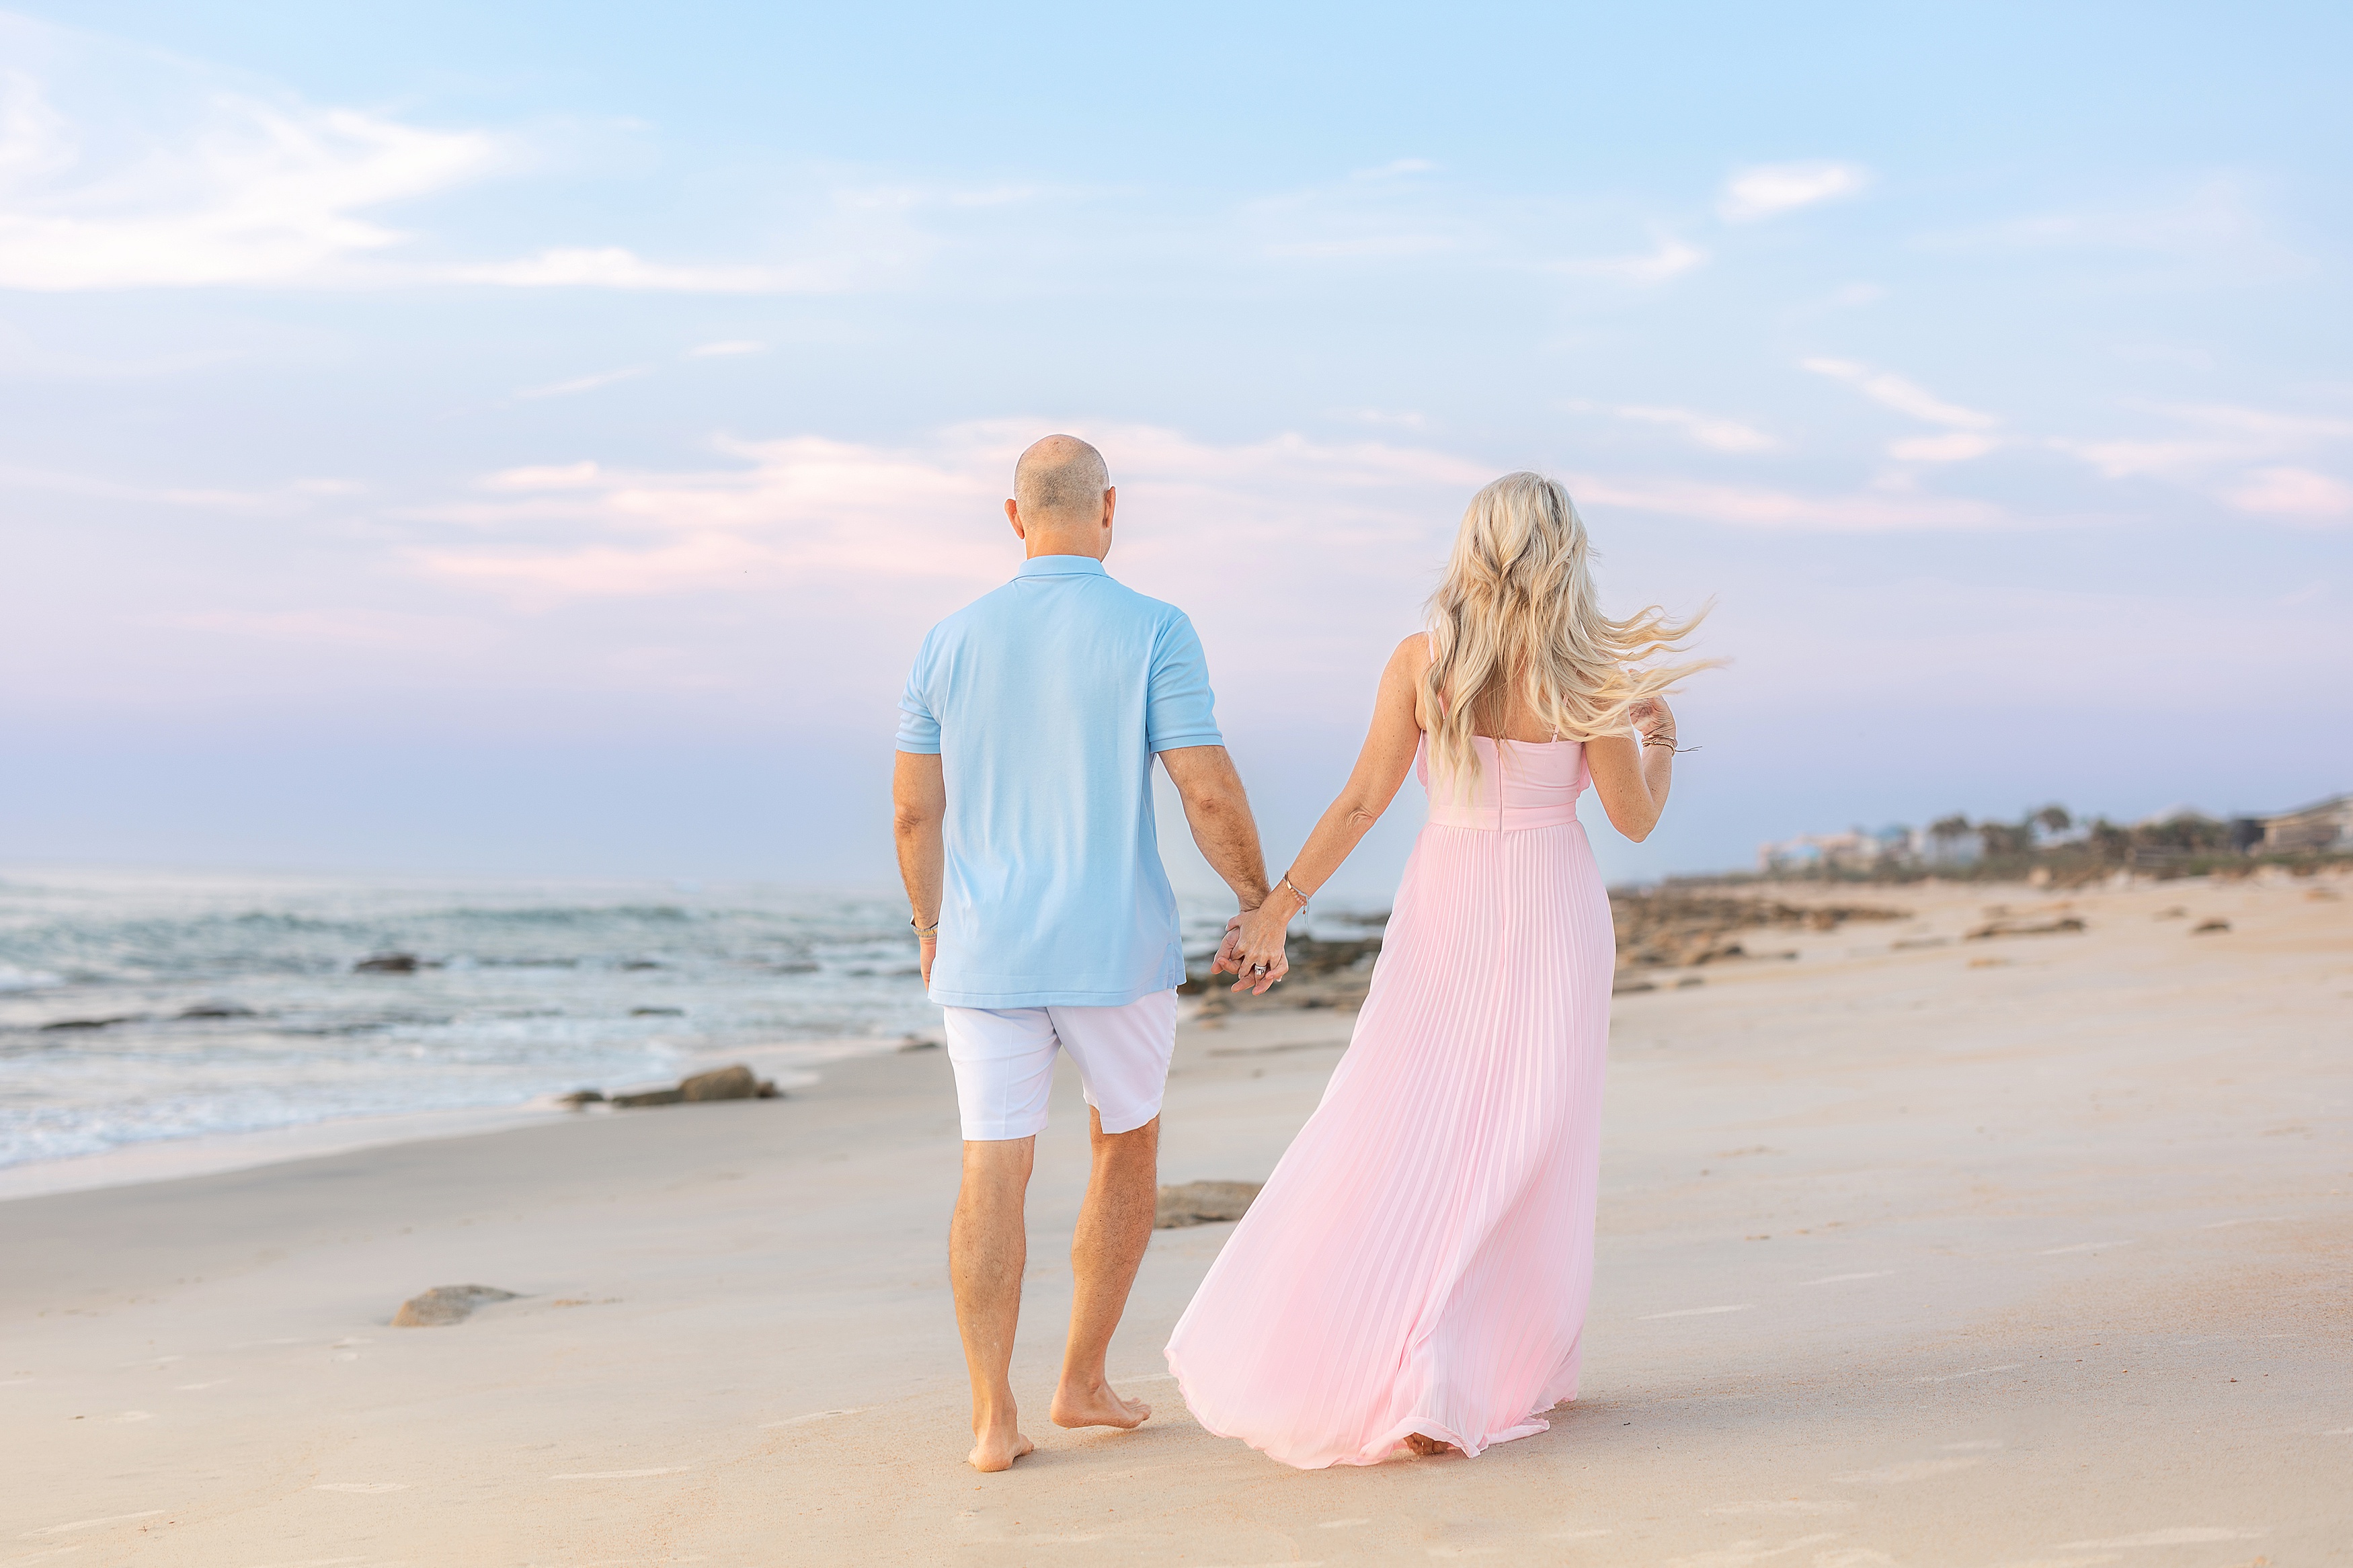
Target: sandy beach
(1914, 1248)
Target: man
(1023, 797)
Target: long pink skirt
(1421, 1258)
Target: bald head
(1060, 483)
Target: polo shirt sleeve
(919, 727)
(1179, 708)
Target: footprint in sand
(91, 1523)
(812, 1415)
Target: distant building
(2325, 826)
(1928, 848)
(1851, 851)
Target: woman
(1417, 1269)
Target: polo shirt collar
(1061, 566)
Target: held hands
(1252, 951)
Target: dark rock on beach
(580, 1098)
(656, 1012)
(733, 1082)
(92, 1023)
(736, 1082)
(446, 1304)
(1676, 927)
(2064, 924)
(387, 964)
(218, 1010)
(1202, 1203)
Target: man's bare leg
(1115, 1227)
(988, 1246)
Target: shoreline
(2027, 1248)
(792, 1066)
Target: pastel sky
(529, 438)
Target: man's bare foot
(997, 1448)
(1428, 1446)
(1096, 1406)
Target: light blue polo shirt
(1046, 702)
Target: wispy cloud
(830, 518)
(2297, 494)
(1714, 433)
(2218, 222)
(293, 495)
(795, 508)
(212, 187)
(1764, 507)
(1904, 396)
(1958, 447)
(1671, 257)
(1776, 188)
(2237, 455)
(612, 266)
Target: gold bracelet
(1295, 893)
(931, 930)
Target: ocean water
(140, 1007)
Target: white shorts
(1004, 1060)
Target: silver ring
(1258, 968)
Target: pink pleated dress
(1421, 1258)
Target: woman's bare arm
(1381, 765)
(1631, 772)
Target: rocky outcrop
(1676, 927)
(733, 1082)
(736, 1082)
(2008, 927)
(446, 1304)
(1202, 1203)
(388, 963)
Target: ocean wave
(192, 1005)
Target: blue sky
(533, 438)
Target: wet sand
(2031, 1250)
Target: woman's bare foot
(1427, 1447)
(1095, 1406)
(997, 1447)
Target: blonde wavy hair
(1516, 616)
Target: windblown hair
(1516, 616)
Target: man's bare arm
(919, 802)
(1220, 815)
